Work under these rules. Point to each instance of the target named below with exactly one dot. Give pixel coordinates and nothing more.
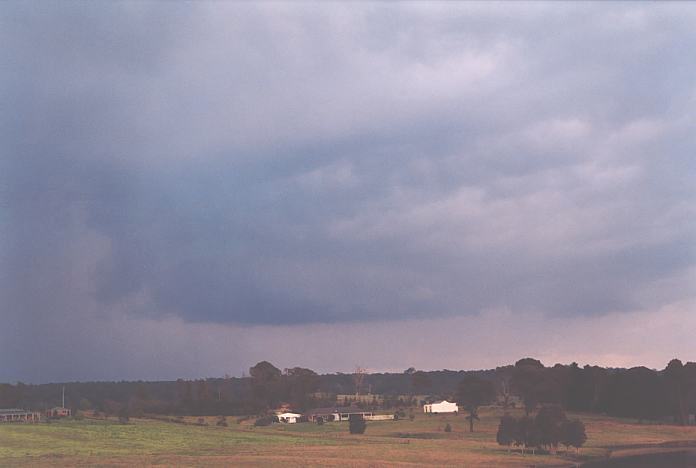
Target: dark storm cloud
(287, 164)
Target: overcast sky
(189, 188)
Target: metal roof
(14, 411)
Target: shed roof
(13, 411)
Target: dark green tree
(472, 393)
(357, 424)
(573, 434)
(507, 430)
(526, 434)
(528, 382)
(420, 382)
(549, 422)
(678, 390)
(265, 383)
(300, 383)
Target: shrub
(507, 431)
(320, 421)
(573, 434)
(448, 428)
(549, 428)
(222, 421)
(265, 421)
(356, 424)
(548, 423)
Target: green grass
(109, 438)
(422, 441)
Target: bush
(548, 422)
(356, 424)
(222, 421)
(265, 421)
(448, 428)
(320, 421)
(507, 431)
(549, 428)
(573, 434)
(123, 416)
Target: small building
(441, 407)
(58, 412)
(336, 413)
(19, 415)
(290, 418)
(380, 417)
(370, 398)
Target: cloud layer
(203, 168)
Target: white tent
(441, 407)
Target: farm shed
(441, 407)
(18, 415)
(290, 418)
(336, 413)
(58, 412)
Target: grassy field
(397, 443)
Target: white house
(290, 418)
(441, 407)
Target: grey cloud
(287, 164)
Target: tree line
(645, 394)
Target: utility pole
(63, 396)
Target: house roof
(13, 411)
(9, 411)
(289, 415)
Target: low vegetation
(422, 441)
(524, 414)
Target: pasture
(145, 442)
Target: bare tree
(505, 392)
(358, 378)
